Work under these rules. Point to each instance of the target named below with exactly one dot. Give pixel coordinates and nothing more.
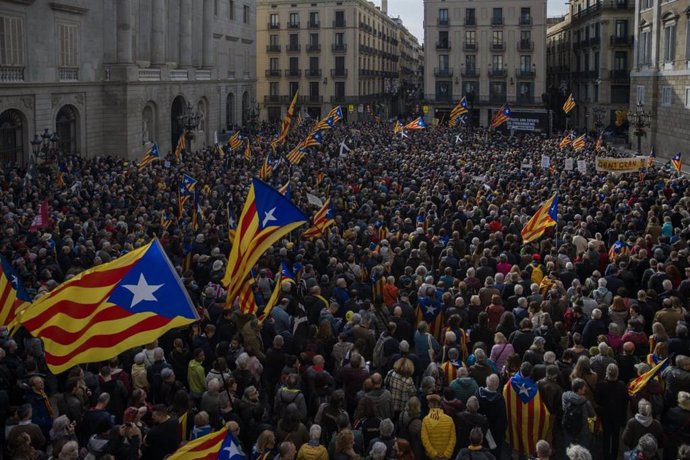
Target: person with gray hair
(386, 435)
(676, 378)
(377, 451)
(470, 418)
(601, 361)
(577, 452)
(640, 424)
(464, 386)
(676, 422)
(492, 404)
(647, 448)
(611, 395)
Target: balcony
(525, 73)
(497, 98)
(470, 72)
(470, 21)
(179, 75)
(273, 25)
(312, 73)
(498, 47)
(525, 45)
(293, 48)
(273, 48)
(311, 99)
(525, 20)
(469, 46)
(365, 72)
(497, 73)
(10, 74)
(594, 41)
(273, 73)
(443, 22)
(339, 24)
(339, 73)
(68, 74)
(293, 73)
(149, 74)
(339, 47)
(624, 40)
(272, 99)
(442, 72)
(293, 25)
(313, 48)
(444, 45)
(313, 24)
(204, 75)
(338, 98)
(619, 75)
(497, 21)
(444, 97)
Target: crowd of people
(342, 369)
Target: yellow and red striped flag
(579, 142)
(600, 142)
(266, 217)
(181, 146)
(569, 104)
(247, 300)
(219, 445)
(321, 221)
(501, 116)
(528, 418)
(676, 162)
(235, 141)
(110, 308)
(638, 383)
(546, 216)
(457, 112)
(567, 139)
(320, 177)
(150, 155)
(248, 151)
(13, 296)
(266, 168)
(285, 126)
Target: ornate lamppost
(639, 119)
(190, 120)
(46, 147)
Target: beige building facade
(660, 79)
(332, 53)
(110, 76)
(491, 52)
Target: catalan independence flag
(528, 418)
(247, 300)
(457, 112)
(378, 281)
(569, 104)
(235, 141)
(321, 221)
(232, 225)
(186, 189)
(618, 248)
(110, 308)
(501, 116)
(266, 217)
(676, 162)
(285, 275)
(579, 142)
(651, 157)
(417, 123)
(638, 383)
(181, 146)
(431, 310)
(285, 190)
(546, 216)
(285, 126)
(248, 150)
(150, 156)
(220, 445)
(60, 177)
(600, 142)
(13, 296)
(398, 127)
(567, 139)
(266, 168)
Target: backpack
(537, 273)
(377, 356)
(572, 419)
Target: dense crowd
(415, 371)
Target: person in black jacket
(492, 404)
(163, 439)
(611, 396)
(676, 424)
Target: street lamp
(190, 120)
(253, 112)
(45, 146)
(639, 119)
(598, 113)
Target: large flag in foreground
(13, 296)
(546, 216)
(266, 217)
(220, 445)
(110, 308)
(528, 418)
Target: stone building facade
(660, 79)
(111, 75)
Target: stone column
(158, 24)
(207, 34)
(185, 33)
(124, 31)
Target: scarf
(46, 401)
(644, 420)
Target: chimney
(384, 6)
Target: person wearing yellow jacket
(438, 431)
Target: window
(497, 16)
(340, 65)
(443, 90)
(471, 37)
(294, 87)
(273, 40)
(245, 14)
(231, 13)
(470, 63)
(647, 4)
(525, 36)
(340, 19)
(640, 94)
(340, 90)
(443, 39)
(620, 94)
(687, 98)
(314, 40)
(11, 41)
(294, 41)
(525, 91)
(68, 41)
(470, 89)
(443, 61)
(294, 20)
(497, 61)
(313, 19)
(470, 18)
(497, 91)
(274, 88)
(526, 63)
(273, 63)
(644, 51)
(314, 64)
(314, 89)
(621, 28)
(620, 61)
(497, 37)
(339, 39)
(443, 16)
(525, 16)
(294, 65)
(215, 7)
(670, 43)
(274, 20)
(666, 95)
(595, 67)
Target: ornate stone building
(110, 75)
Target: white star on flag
(523, 390)
(142, 291)
(269, 217)
(430, 309)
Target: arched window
(11, 137)
(179, 106)
(67, 128)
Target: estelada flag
(220, 445)
(528, 418)
(639, 382)
(546, 216)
